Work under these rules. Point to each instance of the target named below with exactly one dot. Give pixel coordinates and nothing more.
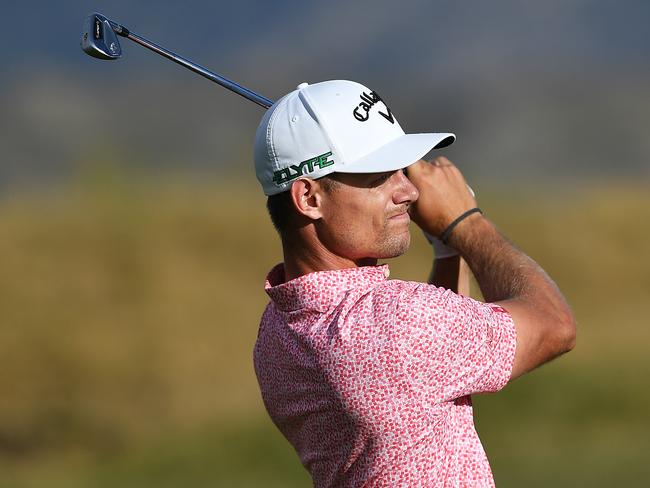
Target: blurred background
(134, 241)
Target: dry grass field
(128, 313)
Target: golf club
(99, 40)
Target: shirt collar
(319, 289)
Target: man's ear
(307, 198)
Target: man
(368, 378)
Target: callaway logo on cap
(333, 126)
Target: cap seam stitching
(269, 137)
(325, 129)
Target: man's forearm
(544, 321)
(502, 271)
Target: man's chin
(396, 246)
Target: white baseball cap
(333, 126)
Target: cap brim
(398, 154)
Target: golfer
(370, 378)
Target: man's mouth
(400, 216)
(402, 213)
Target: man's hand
(444, 194)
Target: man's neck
(301, 259)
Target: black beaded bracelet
(444, 237)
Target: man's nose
(405, 192)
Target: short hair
(280, 206)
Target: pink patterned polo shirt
(369, 378)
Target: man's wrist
(468, 231)
(444, 237)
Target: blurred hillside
(555, 92)
(510, 131)
(129, 310)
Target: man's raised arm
(543, 320)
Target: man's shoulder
(408, 290)
(400, 297)
(405, 299)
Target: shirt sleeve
(451, 345)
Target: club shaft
(198, 69)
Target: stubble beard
(394, 245)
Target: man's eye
(384, 177)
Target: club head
(98, 38)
